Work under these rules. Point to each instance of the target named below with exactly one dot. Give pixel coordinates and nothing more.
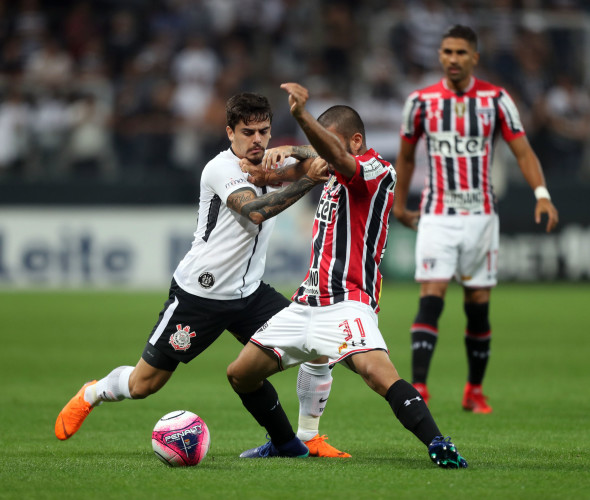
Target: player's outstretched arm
(261, 208)
(404, 167)
(533, 173)
(260, 176)
(274, 157)
(323, 141)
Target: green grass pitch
(534, 445)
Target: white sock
(113, 387)
(313, 388)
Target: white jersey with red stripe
(349, 236)
(460, 129)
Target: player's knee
(234, 375)
(377, 371)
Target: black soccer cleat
(292, 449)
(444, 454)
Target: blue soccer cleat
(444, 454)
(291, 449)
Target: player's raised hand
(544, 206)
(298, 96)
(318, 170)
(274, 157)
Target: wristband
(542, 192)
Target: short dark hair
(464, 32)
(344, 119)
(247, 107)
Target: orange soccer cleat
(474, 400)
(319, 448)
(73, 414)
(423, 391)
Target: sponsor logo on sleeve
(234, 182)
(372, 169)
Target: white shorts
(302, 333)
(463, 246)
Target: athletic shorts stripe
(188, 324)
(164, 323)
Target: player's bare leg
(124, 382)
(380, 374)
(314, 382)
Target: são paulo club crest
(181, 338)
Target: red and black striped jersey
(460, 129)
(349, 236)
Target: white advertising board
(135, 248)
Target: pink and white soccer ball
(181, 439)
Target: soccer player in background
(217, 286)
(458, 227)
(334, 311)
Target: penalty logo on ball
(181, 439)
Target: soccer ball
(181, 439)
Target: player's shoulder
(224, 161)
(371, 154)
(482, 88)
(372, 165)
(223, 172)
(224, 158)
(434, 91)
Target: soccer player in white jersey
(458, 231)
(334, 312)
(217, 286)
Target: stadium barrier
(138, 248)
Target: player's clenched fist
(298, 96)
(318, 170)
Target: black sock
(477, 341)
(423, 344)
(265, 407)
(424, 334)
(411, 411)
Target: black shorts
(189, 324)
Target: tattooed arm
(260, 208)
(275, 156)
(259, 176)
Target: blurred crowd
(135, 88)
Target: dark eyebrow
(263, 129)
(458, 51)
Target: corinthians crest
(181, 338)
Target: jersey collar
(467, 89)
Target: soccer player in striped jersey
(218, 286)
(458, 227)
(334, 311)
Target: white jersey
(228, 255)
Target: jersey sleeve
(412, 127)
(370, 171)
(224, 178)
(511, 125)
